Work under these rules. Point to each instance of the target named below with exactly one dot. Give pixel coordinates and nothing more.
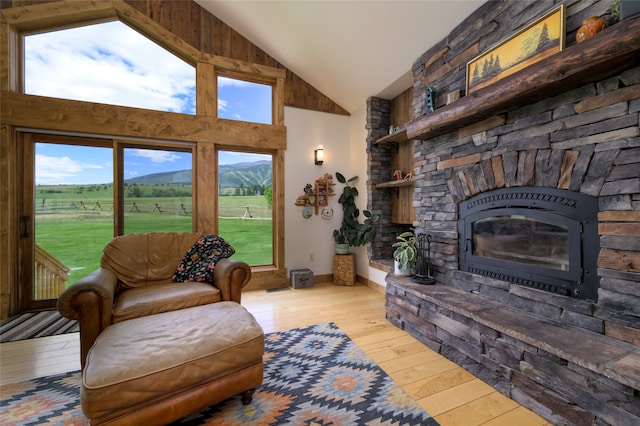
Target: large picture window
(245, 204)
(108, 63)
(113, 102)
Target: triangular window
(108, 63)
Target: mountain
(232, 176)
(180, 177)
(245, 175)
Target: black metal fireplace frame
(577, 212)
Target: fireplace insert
(545, 238)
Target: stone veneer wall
(585, 140)
(379, 170)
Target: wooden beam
(52, 114)
(611, 51)
(206, 90)
(58, 14)
(251, 69)
(156, 32)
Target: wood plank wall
(401, 112)
(207, 33)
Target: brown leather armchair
(135, 279)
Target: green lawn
(75, 233)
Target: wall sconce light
(318, 155)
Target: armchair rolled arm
(90, 301)
(230, 276)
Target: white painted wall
(309, 242)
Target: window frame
(275, 213)
(118, 147)
(248, 79)
(24, 113)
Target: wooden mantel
(607, 53)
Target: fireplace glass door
(524, 239)
(544, 238)
(525, 242)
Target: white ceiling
(347, 49)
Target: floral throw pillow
(201, 259)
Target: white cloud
(59, 170)
(232, 82)
(155, 156)
(108, 63)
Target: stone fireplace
(534, 216)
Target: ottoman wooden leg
(247, 396)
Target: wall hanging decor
(538, 40)
(317, 195)
(307, 211)
(327, 213)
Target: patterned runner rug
(36, 324)
(313, 376)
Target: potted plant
(405, 255)
(352, 232)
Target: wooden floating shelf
(395, 183)
(396, 137)
(601, 56)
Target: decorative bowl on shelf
(590, 27)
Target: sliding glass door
(67, 216)
(71, 207)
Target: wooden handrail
(50, 275)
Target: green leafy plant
(615, 8)
(406, 250)
(352, 231)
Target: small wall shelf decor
(317, 195)
(396, 138)
(395, 183)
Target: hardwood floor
(449, 393)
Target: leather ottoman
(159, 368)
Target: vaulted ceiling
(347, 49)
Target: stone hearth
(565, 373)
(572, 361)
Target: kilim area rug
(313, 376)
(36, 324)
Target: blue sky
(73, 164)
(113, 64)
